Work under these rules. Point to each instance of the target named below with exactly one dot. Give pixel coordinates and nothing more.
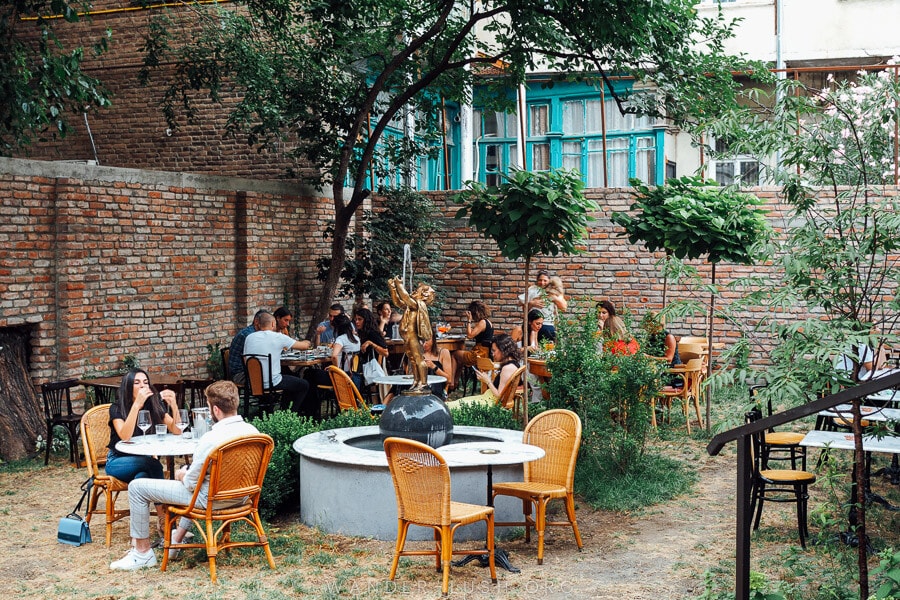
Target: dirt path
(658, 554)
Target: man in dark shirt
(236, 352)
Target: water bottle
(395, 332)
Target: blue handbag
(73, 529)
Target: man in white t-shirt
(269, 342)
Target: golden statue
(415, 328)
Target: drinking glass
(183, 420)
(161, 432)
(143, 422)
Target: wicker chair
(345, 391)
(558, 432)
(58, 413)
(95, 439)
(422, 484)
(507, 397)
(236, 470)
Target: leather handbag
(73, 529)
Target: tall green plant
(530, 213)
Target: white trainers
(173, 551)
(134, 560)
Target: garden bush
(280, 486)
(481, 415)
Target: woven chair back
(688, 351)
(345, 391)
(237, 470)
(421, 481)
(558, 432)
(95, 438)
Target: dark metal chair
(193, 392)
(266, 396)
(58, 413)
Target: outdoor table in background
(150, 445)
(474, 454)
(839, 440)
(306, 358)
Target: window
(740, 169)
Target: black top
(486, 337)
(115, 412)
(370, 336)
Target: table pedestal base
(501, 559)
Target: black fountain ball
(424, 418)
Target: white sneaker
(134, 560)
(173, 551)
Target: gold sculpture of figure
(415, 328)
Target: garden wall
(100, 262)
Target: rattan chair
(422, 484)
(777, 485)
(507, 397)
(58, 413)
(558, 432)
(95, 439)
(236, 470)
(345, 391)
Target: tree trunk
(862, 483)
(21, 413)
(712, 310)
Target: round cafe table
(406, 380)
(170, 446)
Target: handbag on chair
(73, 529)
(372, 369)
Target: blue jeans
(125, 467)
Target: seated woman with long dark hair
(136, 394)
(506, 354)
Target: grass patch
(650, 481)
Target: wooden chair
(690, 351)
(486, 365)
(507, 397)
(422, 485)
(256, 387)
(236, 470)
(558, 432)
(226, 353)
(95, 439)
(58, 413)
(780, 445)
(193, 392)
(345, 391)
(691, 374)
(777, 485)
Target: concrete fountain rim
(331, 444)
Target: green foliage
(280, 486)
(758, 589)
(406, 217)
(42, 85)
(611, 392)
(887, 575)
(530, 213)
(651, 480)
(483, 415)
(348, 418)
(214, 365)
(690, 218)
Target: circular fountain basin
(346, 487)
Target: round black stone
(424, 418)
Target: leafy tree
(840, 255)
(406, 218)
(690, 218)
(41, 81)
(324, 81)
(530, 213)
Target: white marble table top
(149, 445)
(871, 413)
(844, 441)
(472, 454)
(406, 380)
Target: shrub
(481, 415)
(282, 478)
(348, 418)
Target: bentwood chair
(558, 432)
(780, 445)
(58, 413)
(345, 391)
(193, 392)
(777, 485)
(95, 439)
(256, 387)
(236, 471)
(422, 485)
(691, 374)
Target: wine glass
(443, 328)
(143, 421)
(182, 421)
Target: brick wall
(101, 262)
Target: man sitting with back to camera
(222, 398)
(269, 342)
